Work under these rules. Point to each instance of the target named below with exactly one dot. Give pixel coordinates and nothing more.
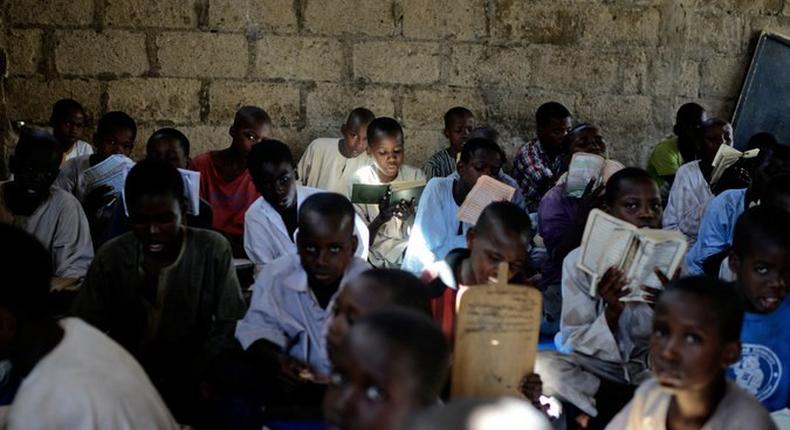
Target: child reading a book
(165, 292)
(679, 149)
(52, 215)
(270, 223)
(68, 121)
(691, 188)
(458, 124)
(390, 366)
(329, 163)
(437, 229)
(283, 331)
(225, 182)
(389, 222)
(694, 339)
(760, 258)
(603, 341)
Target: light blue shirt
(284, 311)
(717, 228)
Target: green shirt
(665, 160)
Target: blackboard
(764, 104)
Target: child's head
(251, 124)
(271, 167)
(391, 365)
(632, 195)
(502, 235)
(385, 145)
(553, 122)
(355, 130)
(585, 138)
(326, 241)
(169, 144)
(154, 194)
(479, 157)
(115, 134)
(696, 333)
(688, 120)
(371, 292)
(760, 257)
(35, 163)
(711, 135)
(458, 124)
(484, 132)
(777, 192)
(67, 121)
(773, 160)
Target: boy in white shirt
(68, 122)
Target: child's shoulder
(322, 143)
(740, 409)
(411, 173)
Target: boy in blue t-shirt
(760, 257)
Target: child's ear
(734, 261)
(232, 130)
(446, 133)
(354, 244)
(344, 129)
(470, 238)
(731, 353)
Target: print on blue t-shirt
(765, 353)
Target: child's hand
(592, 197)
(733, 178)
(532, 387)
(405, 209)
(611, 289)
(386, 210)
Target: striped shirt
(531, 167)
(440, 165)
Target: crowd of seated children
(678, 149)
(73, 375)
(538, 164)
(390, 366)
(458, 124)
(225, 182)
(437, 230)
(694, 339)
(165, 292)
(52, 215)
(603, 342)
(329, 163)
(68, 121)
(389, 222)
(270, 223)
(691, 189)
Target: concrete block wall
(623, 64)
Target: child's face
(326, 247)
(35, 174)
(589, 140)
(156, 222)
(771, 163)
(488, 250)
(388, 154)
(482, 162)
(459, 131)
(68, 129)
(763, 274)
(356, 140)
(713, 138)
(355, 301)
(168, 149)
(638, 203)
(121, 141)
(246, 135)
(687, 350)
(278, 185)
(552, 133)
(372, 385)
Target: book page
(725, 157)
(584, 168)
(405, 185)
(666, 255)
(486, 191)
(367, 193)
(610, 168)
(605, 242)
(191, 190)
(111, 172)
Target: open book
(111, 172)
(725, 157)
(586, 167)
(401, 190)
(486, 191)
(611, 242)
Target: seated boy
(719, 218)
(389, 222)
(52, 215)
(437, 230)
(283, 331)
(502, 235)
(679, 149)
(391, 366)
(458, 123)
(68, 121)
(270, 224)
(695, 338)
(329, 163)
(603, 341)
(538, 164)
(74, 376)
(225, 182)
(167, 293)
(760, 258)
